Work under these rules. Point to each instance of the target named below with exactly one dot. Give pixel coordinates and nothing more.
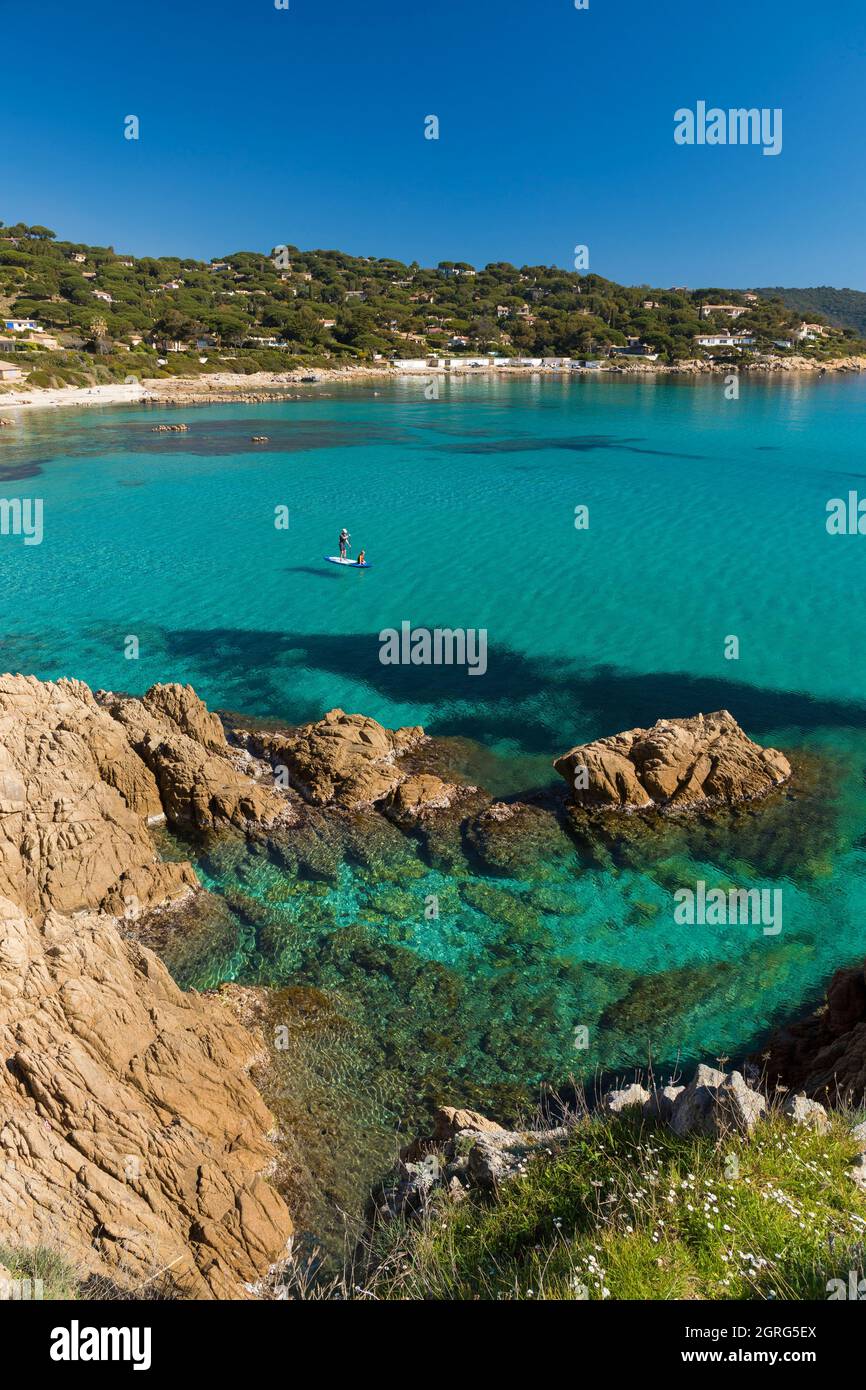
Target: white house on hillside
(731, 311)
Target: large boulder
(419, 795)
(737, 1108)
(202, 782)
(717, 1103)
(343, 759)
(465, 1150)
(661, 1102)
(693, 1107)
(493, 1158)
(131, 1137)
(678, 763)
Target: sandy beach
(260, 387)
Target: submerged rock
(516, 840)
(678, 763)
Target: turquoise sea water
(707, 519)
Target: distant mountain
(844, 308)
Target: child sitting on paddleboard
(361, 554)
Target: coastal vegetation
(845, 308)
(631, 1210)
(102, 315)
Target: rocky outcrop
(824, 1055)
(344, 759)
(202, 782)
(465, 1150)
(677, 764)
(131, 1137)
(419, 796)
(74, 805)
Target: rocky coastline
(132, 1133)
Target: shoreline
(258, 388)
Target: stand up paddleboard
(352, 564)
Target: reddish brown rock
(131, 1138)
(74, 799)
(824, 1055)
(202, 782)
(343, 759)
(418, 796)
(678, 763)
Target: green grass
(59, 1279)
(631, 1211)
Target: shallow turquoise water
(707, 518)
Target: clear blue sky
(261, 126)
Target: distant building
(21, 325)
(635, 350)
(808, 332)
(750, 297)
(731, 311)
(44, 340)
(9, 372)
(649, 304)
(104, 296)
(728, 340)
(79, 257)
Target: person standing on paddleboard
(345, 540)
